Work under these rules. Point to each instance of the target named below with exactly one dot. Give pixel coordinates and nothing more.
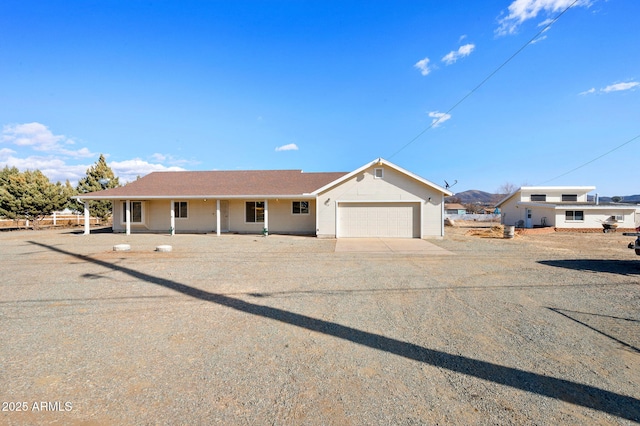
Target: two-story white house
(565, 208)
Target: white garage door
(392, 220)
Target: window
(254, 211)
(136, 211)
(574, 215)
(569, 197)
(538, 197)
(378, 173)
(617, 218)
(300, 207)
(180, 209)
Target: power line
(591, 161)
(553, 21)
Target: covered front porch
(203, 215)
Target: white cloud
(617, 87)
(158, 157)
(129, 170)
(53, 168)
(38, 137)
(520, 11)
(423, 66)
(438, 118)
(288, 147)
(587, 92)
(454, 55)
(620, 86)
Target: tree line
(31, 196)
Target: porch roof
(218, 184)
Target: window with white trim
(574, 216)
(300, 207)
(569, 197)
(136, 211)
(254, 211)
(180, 209)
(378, 173)
(538, 197)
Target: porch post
(218, 221)
(127, 217)
(173, 218)
(441, 215)
(87, 228)
(266, 216)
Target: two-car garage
(378, 219)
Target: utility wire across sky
(464, 98)
(591, 161)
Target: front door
(224, 216)
(528, 222)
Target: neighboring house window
(574, 215)
(538, 197)
(254, 211)
(136, 211)
(180, 209)
(617, 218)
(569, 197)
(378, 173)
(300, 207)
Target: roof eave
(191, 197)
(382, 161)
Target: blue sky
(325, 86)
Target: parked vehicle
(635, 245)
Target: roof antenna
(447, 186)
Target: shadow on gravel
(573, 316)
(102, 230)
(622, 406)
(622, 267)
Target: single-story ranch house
(379, 199)
(565, 208)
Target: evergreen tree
(7, 200)
(99, 177)
(30, 195)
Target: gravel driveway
(242, 329)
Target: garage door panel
(392, 220)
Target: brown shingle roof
(219, 183)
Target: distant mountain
(625, 199)
(474, 196)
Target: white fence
(56, 219)
(474, 217)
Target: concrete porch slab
(388, 245)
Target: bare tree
(506, 188)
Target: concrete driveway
(388, 245)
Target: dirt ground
(240, 329)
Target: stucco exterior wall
(509, 214)
(201, 217)
(393, 186)
(595, 218)
(281, 220)
(118, 217)
(553, 195)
